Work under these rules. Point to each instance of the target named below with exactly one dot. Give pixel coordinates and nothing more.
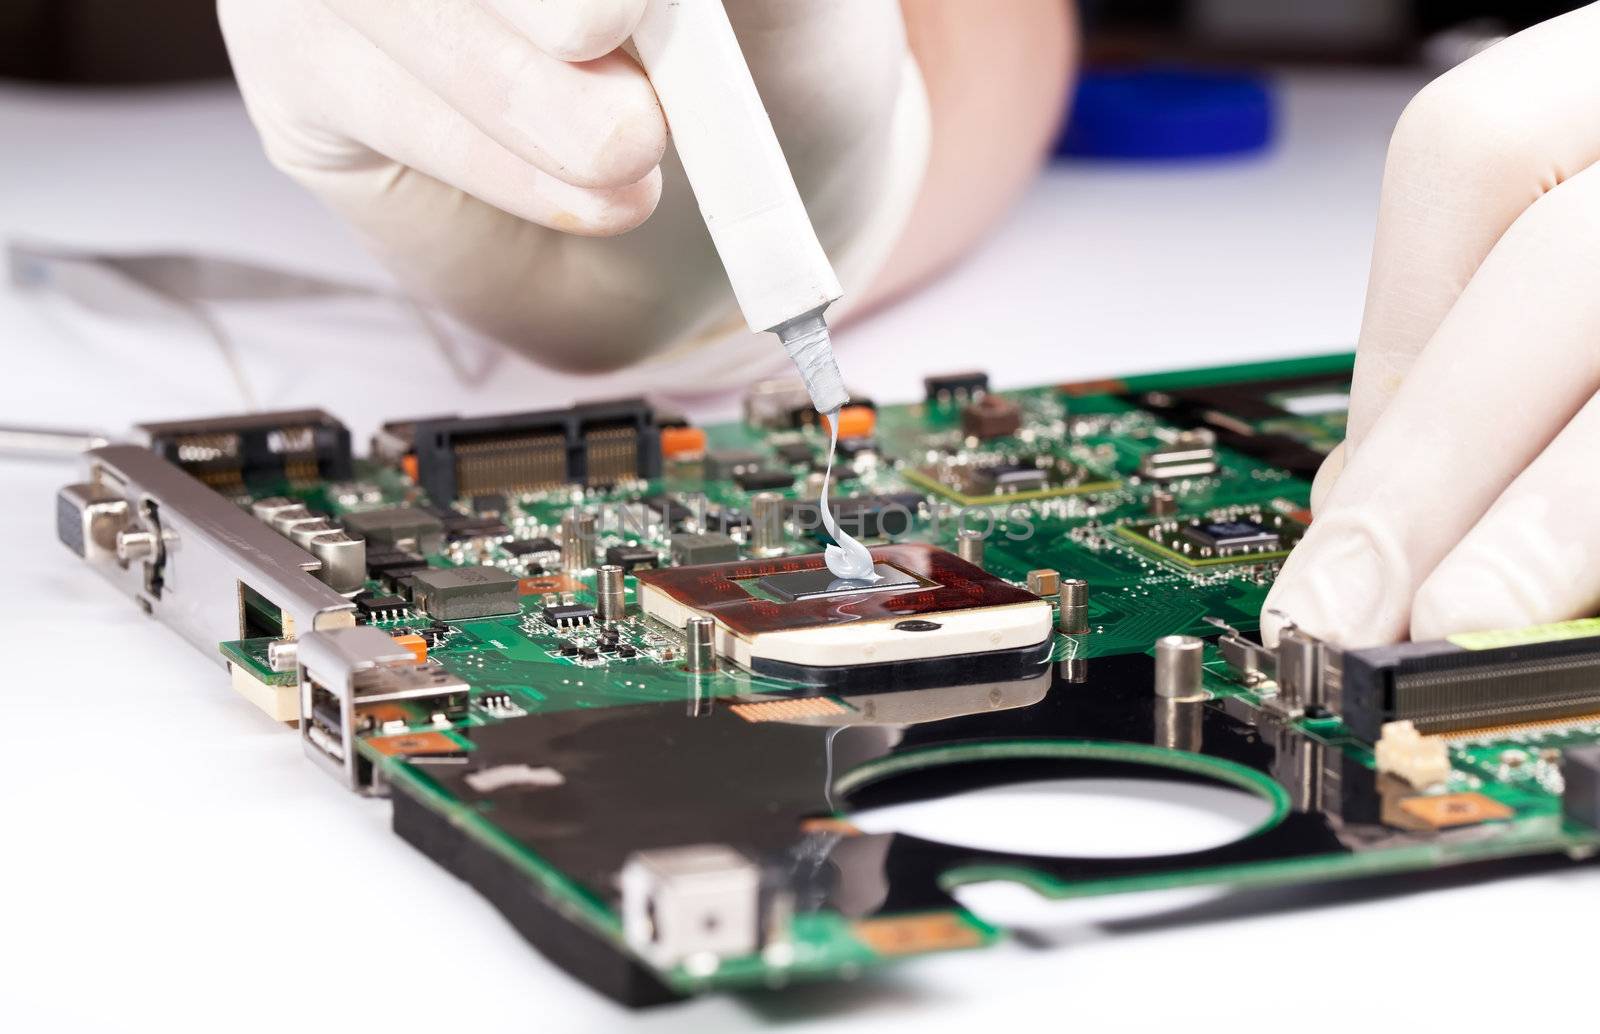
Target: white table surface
(171, 861)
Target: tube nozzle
(806, 340)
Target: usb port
(346, 670)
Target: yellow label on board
(1578, 628)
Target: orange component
(1454, 809)
(1082, 388)
(411, 744)
(541, 584)
(416, 644)
(924, 931)
(855, 421)
(683, 442)
(408, 465)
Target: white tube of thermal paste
(747, 196)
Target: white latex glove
(1467, 493)
(491, 152)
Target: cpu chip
(932, 619)
(817, 584)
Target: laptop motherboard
(593, 658)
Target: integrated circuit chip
(489, 504)
(793, 452)
(462, 593)
(792, 586)
(725, 520)
(392, 567)
(567, 615)
(630, 557)
(1234, 536)
(724, 464)
(1230, 537)
(672, 513)
(380, 608)
(1014, 477)
(459, 528)
(763, 479)
(531, 547)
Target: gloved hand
(492, 152)
(1467, 493)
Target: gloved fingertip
(1467, 594)
(1342, 585)
(633, 148)
(575, 30)
(607, 213)
(1272, 622)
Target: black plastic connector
(256, 449)
(955, 387)
(600, 443)
(1442, 687)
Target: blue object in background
(1163, 113)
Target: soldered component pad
(1233, 537)
(985, 479)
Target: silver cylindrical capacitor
(1180, 723)
(577, 541)
(302, 534)
(344, 560)
(701, 654)
(1178, 666)
(267, 509)
(285, 521)
(1074, 616)
(766, 523)
(969, 546)
(610, 602)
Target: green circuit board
(1065, 479)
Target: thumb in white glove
(1466, 495)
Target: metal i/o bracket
(186, 555)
